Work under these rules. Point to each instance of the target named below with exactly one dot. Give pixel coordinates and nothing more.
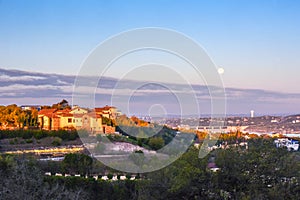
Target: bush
(26, 134)
(39, 134)
(108, 121)
(56, 141)
(138, 176)
(77, 163)
(156, 143)
(138, 151)
(128, 176)
(110, 176)
(73, 135)
(29, 141)
(83, 133)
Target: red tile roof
(54, 113)
(105, 108)
(66, 115)
(47, 111)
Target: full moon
(221, 71)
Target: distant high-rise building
(252, 113)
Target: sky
(256, 42)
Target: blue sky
(256, 42)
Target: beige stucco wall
(65, 123)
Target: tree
(156, 143)
(23, 179)
(61, 105)
(14, 116)
(77, 163)
(108, 121)
(56, 141)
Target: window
(69, 120)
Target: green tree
(77, 163)
(156, 143)
(56, 141)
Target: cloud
(5, 77)
(27, 85)
(22, 87)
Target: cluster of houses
(78, 118)
(290, 144)
(96, 177)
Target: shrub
(138, 151)
(39, 134)
(110, 176)
(26, 134)
(156, 143)
(56, 141)
(138, 176)
(83, 133)
(29, 141)
(128, 176)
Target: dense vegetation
(149, 137)
(142, 133)
(24, 179)
(39, 134)
(259, 172)
(14, 116)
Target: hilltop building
(108, 112)
(77, 118)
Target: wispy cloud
(5, 77)
(28, 85)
